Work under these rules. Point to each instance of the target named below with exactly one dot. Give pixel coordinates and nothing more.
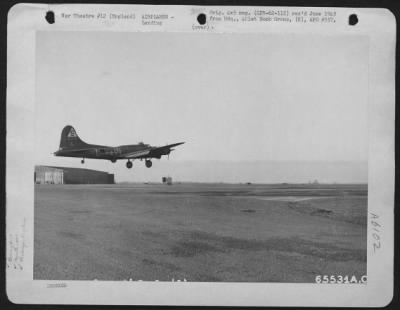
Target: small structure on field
(167, 180)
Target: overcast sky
(229, 97)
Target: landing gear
(148, 163)
(83, 161)
(129, 164)
(113, 160)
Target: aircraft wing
(155, 151)
(169, 146)
(137, 154)
(164, 150)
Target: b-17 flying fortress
(72, 146)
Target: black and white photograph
(272, 174)
(201, 156)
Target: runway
(200, 232)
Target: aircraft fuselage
(112, 152)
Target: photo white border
(24, 20)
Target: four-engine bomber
(72, 146)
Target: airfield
(200, 232)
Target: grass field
(199, 232)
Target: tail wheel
(149, 163)
(113, 160)
(129, 165)
(83, 161)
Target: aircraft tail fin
(70, 139)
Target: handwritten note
(16, 248)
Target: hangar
(67, 175)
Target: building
(48, 175)
(67, 175)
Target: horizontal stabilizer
(77, 150)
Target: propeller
(170, 150)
